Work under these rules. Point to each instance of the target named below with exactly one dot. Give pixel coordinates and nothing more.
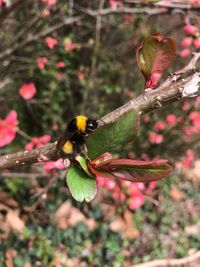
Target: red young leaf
(101, 160)
(135, 170)
(99, 173)
(154, 56)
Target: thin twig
(172, 262)
(36, 37)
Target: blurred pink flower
(151, 187)
(190, 29)
(188, 160)
(185, 106)
(45, 138)
(187, 41)
(113, 4)
(146, 119)
(198, 99)
(195, 118)
(81, 75)
(185, 52)
(195, 2)
(136, 200)
(49, 2)
(100, 181)
(8, 128)
(171, 119)
(51, 42)
(29, 146)
(46, 12)
(196, 43)
(60, 64)
(155, 138)
(159, 126)
(27, 90)
(70, 46)
(41, 62)
(38, 142)
(110, 184)
(51, 165)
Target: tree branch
(34, 38)
(171, 262)
(171, 91)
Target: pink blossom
(185, 52)
(195, 2)
(49, 2)
(185, 106)
(69, 45)
(46, 12)
(51, 42)
(151, 187)
(146, 119)
(41, 62)
(136, 200)
(51, 165)
(1, 2)
(118, 194)
(188, 160)
(8, 128)
(113, 4)
(171, 119)
(45, 138)
(155, 138)
(60, 64)
(81, 75)
(29, 146)
(188, 131)
(195, 118)
(27, 90)
(187, 41)
(38, 142)
(100, 181)
(159, 126)
(190, 29)
(198, 99)
(110, 184)
(196, 43)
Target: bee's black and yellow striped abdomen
(73, 140)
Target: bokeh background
(61, 58)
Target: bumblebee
(73, 140)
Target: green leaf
(81, 186)
(113, 134)
(82, 161)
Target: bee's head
(91, 125)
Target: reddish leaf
(101, 160)
(137, 170)
(154, 56)
(100, 173)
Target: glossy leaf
(102, 160)
(109, 136)
(137, 170)
(154, 56)
(81, 186)
(100, 173)
(82, 161)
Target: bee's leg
(84, 152)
